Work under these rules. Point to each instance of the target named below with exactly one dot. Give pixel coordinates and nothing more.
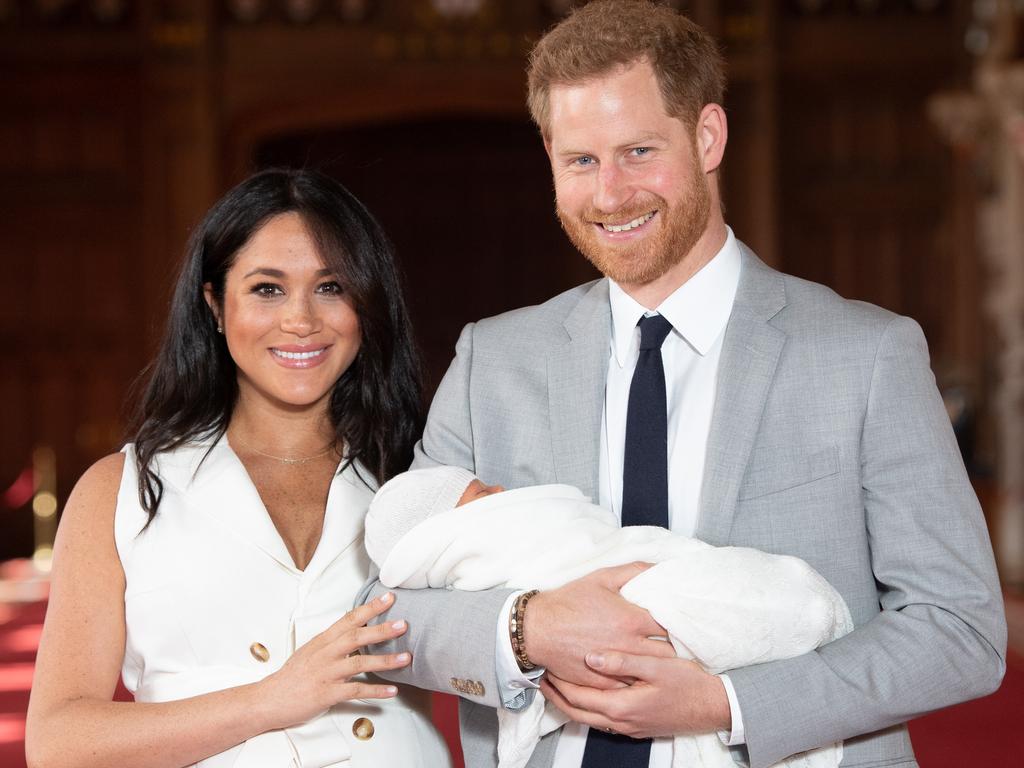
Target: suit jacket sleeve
(940, 637)
(451, 633)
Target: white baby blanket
(725, 607)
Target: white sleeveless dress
(214, 600)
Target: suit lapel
(577, 370)
(750, 353)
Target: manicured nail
(386, 598)
(400, 624)
(403, 657)
(595, 660)
(392, 690)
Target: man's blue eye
(585, 160)
(642, 150)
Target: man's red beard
(639, 263)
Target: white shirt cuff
(513, 683)
(737, 736)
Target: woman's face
(289, 326)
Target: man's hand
(670, 697)
(563, 624)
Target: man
(789, 420)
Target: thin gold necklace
(282, 459)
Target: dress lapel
(214, 482)
(347, 502)
(750, 352)
(577, 371)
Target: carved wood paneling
(863, 178)
(472, 220)
(120, 122)
(71, 192)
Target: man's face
(630, 190)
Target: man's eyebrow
(645, 136)
(571, 152)
(639, 138)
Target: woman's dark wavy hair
(192, 386)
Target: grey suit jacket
(828, 441)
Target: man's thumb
(617, 575)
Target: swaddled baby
(724, 607)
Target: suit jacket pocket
(774, 470)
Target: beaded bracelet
(515, 630)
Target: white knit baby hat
(407, 500)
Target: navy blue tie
(644, 501)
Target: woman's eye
(332, 288)
(266, 290)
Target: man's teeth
(299, 355)
(629, 225)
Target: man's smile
(628, 226)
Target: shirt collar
(698, 309)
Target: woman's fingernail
(403, 657)
(391, 690)
(385, 598)
(400, 624)
(595, 660)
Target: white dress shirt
(698, 311)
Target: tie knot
(653, 330)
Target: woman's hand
(72, 722)
(318, 675)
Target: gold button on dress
(362, 728)
(259, 652)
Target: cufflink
(467, 687)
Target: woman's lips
(293, 356)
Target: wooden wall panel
(70, 194)
(472, 220)
(15, 453)
(864, 180)
(116, 135)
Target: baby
(724, 607)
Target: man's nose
(613, 188)
(300, 317)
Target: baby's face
(477, 490)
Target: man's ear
(211, 302)
(712, 134)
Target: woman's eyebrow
(266, 271)
(270, 272)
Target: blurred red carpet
(979, 733)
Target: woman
(213, 561)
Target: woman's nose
(300, 317)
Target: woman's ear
(211, 302)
